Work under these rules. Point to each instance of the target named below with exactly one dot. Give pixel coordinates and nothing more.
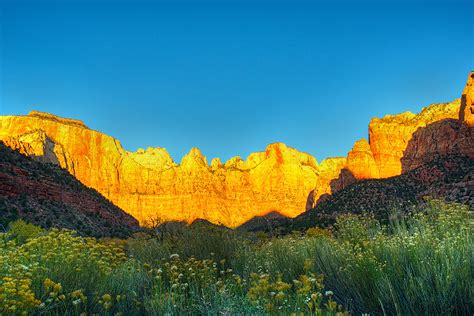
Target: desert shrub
(148, 249)
(357, 229)
(303, 295)
(204, 242)
(318, 232)
(58, 273)
(21, 231)
(198, 241)
(193, 286)
(421, 265)
(285, 256)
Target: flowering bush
(54, 272)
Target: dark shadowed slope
(49, 196)
(450, 178)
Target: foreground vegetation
(420, 264)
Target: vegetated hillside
(446, 177)
(264, 223)
(49, 196)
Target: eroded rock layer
(149, 185)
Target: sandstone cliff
(466, 113)
(148, 184)
(390, 135)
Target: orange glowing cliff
(148, 184)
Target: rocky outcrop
(390, 135)
(361, 162)
(445, 136)
(399, 143)
(329, 170)
(149, 185)
(449, 178)
(466, 113)
(465, 142)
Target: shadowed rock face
(440, 138)
(148, 184)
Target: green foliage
(318, 232)
(195, 286)
(200, 241)
(21, 231)
(420, 264)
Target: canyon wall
(149, 185)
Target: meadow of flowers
(421, 264)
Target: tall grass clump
(200, 241)
(417, 265)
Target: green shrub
(418, 266)
(21, 231)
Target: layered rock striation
(389, 136)
(149, 185)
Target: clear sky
(231, 77)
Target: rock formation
(466, 113)
(447, 177)
(361, 162)
(389, 136)
(149, 185)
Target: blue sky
(231, 77)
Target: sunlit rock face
(361, 162)
(390, 135)
(403, 142)
(149, 185)
(466, 113)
